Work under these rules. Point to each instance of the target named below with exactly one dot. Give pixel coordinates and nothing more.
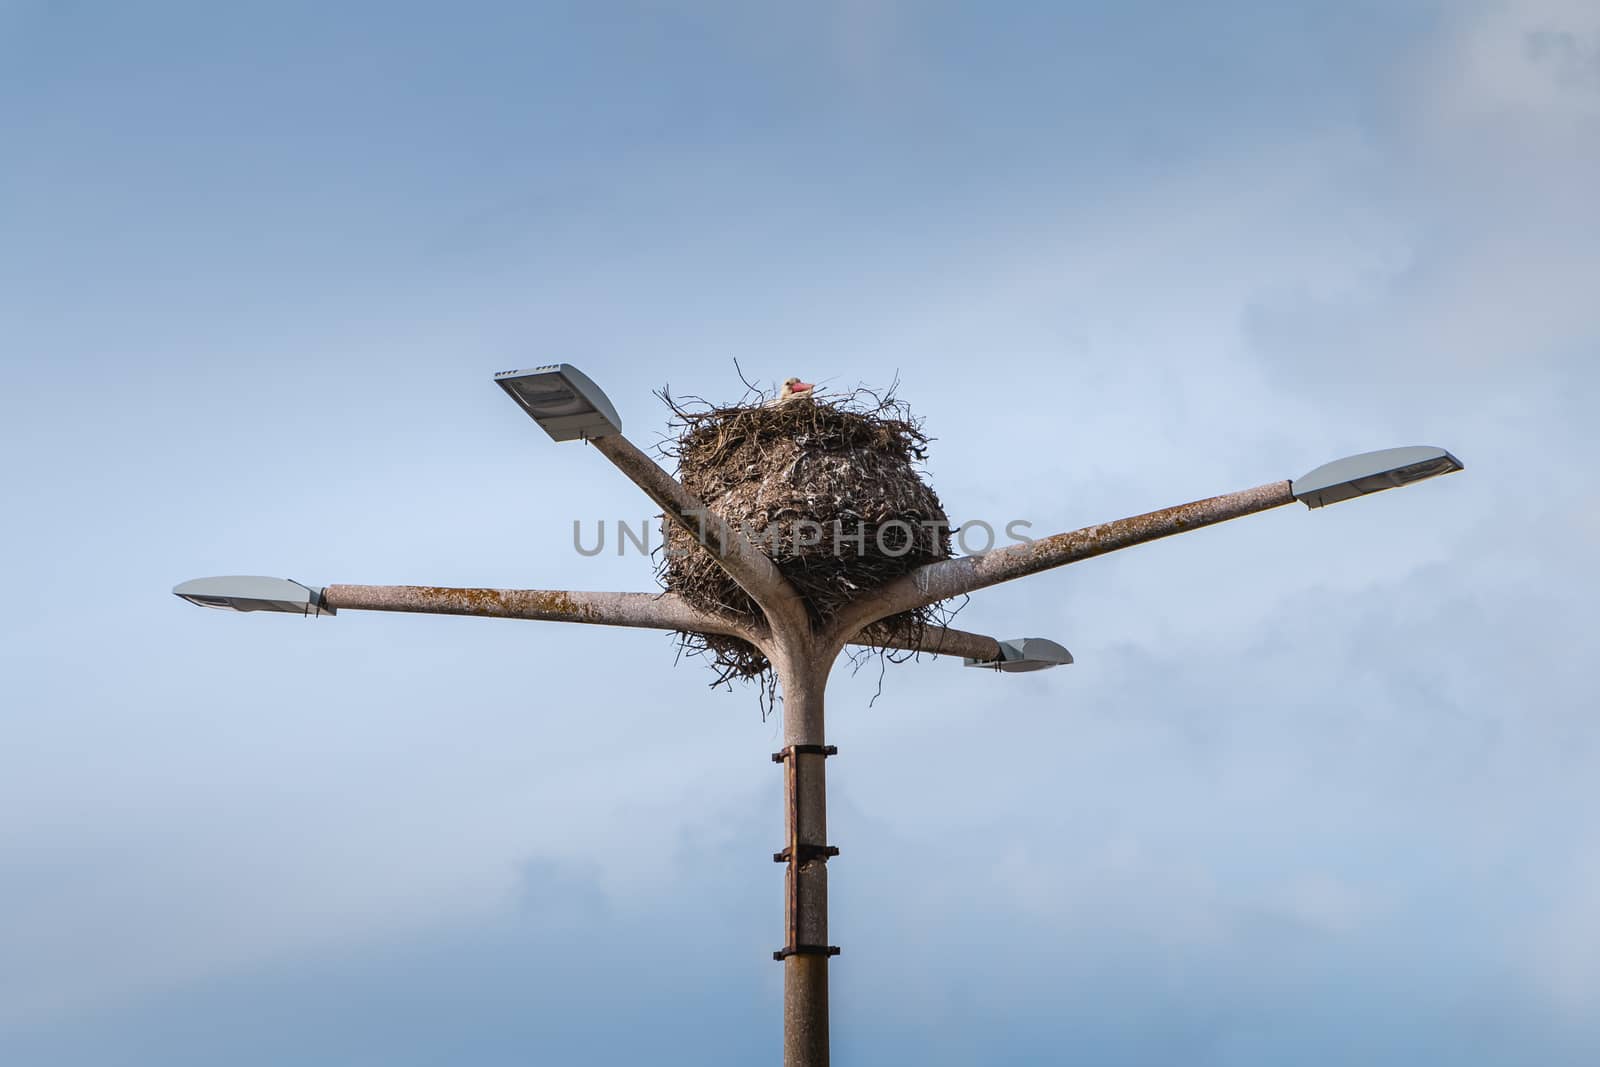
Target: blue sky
(1320, 787)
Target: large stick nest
(830, 489)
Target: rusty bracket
(807, 853)
(806, 950)
(804, 750)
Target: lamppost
(568, 406)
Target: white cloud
(1533, 64)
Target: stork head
(795, 385)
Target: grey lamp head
(1025, 654)
(251, 593)
(562, 400)
(1371, 472)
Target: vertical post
(806, 951)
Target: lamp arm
(746, 564)
(933, 640)
(657, 611)
(934, 582)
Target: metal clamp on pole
(804, 750)
(805, 950)
(807, 853)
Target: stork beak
(803, 387)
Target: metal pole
(806, 950)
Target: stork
(794, 389)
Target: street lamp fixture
(1025, 654)
(250, 593)
(1371, 472)
(563, 401)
